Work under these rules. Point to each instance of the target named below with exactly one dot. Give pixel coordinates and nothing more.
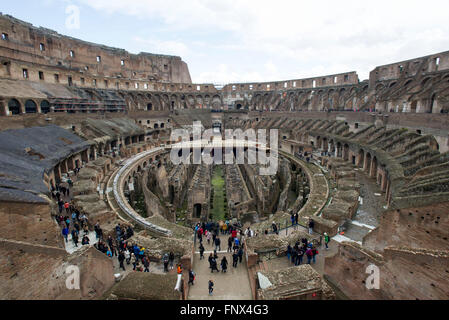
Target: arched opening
(30, 106)
(413, 106)
(367, 163)
(239, 106)
(373, 173)
(149, 107)
(45, 106)
(432, 103)
(339, 150)
(361, 159)
(197, 210)
(346, 152)
(156, 126)
(14, 106)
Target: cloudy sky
(227, 41)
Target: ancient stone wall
(29, 45)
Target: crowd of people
(210, 231)
(296, 253)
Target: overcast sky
(227, 41)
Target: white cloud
(298, 38)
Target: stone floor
(370, 209)
(232, 285)
(70, 245)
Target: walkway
(232, 285)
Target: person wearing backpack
(327, 239)
(309, 255)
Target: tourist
(235, 259)
(211, 287)
(236, 244)
(327, 239)
(240, 254)
(165, 259)
(289, 252)
(230, 243)
(146, 264)
(224, 264)
(275, 228)
(179, 269)
(213, 265)
(210, 260)
(292, 218)
(121, 258)
(127, 256)
(135, 261)
(171, 259)
(309, 255)
(86, 229)
(85, 240)
(191, 277)
(67, 206)
(201, 251)
(65, 233)
(208, 236)
(296, 218)
(96, 229)
(217, 244)
(311, 226)
(314, 254)
(129, 232)
(299, 256)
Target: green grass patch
(218, 185)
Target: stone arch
(197, 208)
(374, 166)
(361, 158)
(45, 106)
(434, 144)
(14, 106)
(30, 106)
(367, 165)
(216, 102)
(325, 144)
(425, 80)
(346, 152)
(339, 150)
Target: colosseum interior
(366, 161)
